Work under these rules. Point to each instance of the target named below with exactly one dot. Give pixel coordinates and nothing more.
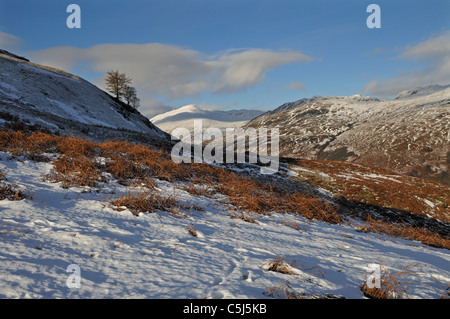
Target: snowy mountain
(421, 91)
(184, 118)
(304, 101)
(61, 102)
(408, 134)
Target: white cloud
(434, 51)
(248, 68)
(436, 47)
(8, 41)
(297, 85)
(161, 70)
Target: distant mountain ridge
(184, 118)
(421, 91)
(409, 134)
(62, 102)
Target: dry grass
(392, 286)
(282, 291)
(446, 293)
(5, 228)
(375, 186)
(280, 265)
(84, 163)
(75, 171)
(419, 234)
(31, 146)
(195, 187)
(242, 216)
(293, 224)
(285, 291)
(191, 230)
(141, 162)
(11, 192)
(136, 164)
(409, 196)
(136, 161)
(145, 202)
(253, 196)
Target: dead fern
(391, 285)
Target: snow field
(154, 256)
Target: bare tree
(131, 98)
(135, 102)
(129, 94)
(116, 83)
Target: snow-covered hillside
(408, 134)
(156, 255)
(59, 101)
(184, 118)
(421, 91)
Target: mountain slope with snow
(184, 118)
(59, 101)
(203, 248)
(420, 91)
(409, 134)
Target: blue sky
(232, 54)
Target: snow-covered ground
(120, 255)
